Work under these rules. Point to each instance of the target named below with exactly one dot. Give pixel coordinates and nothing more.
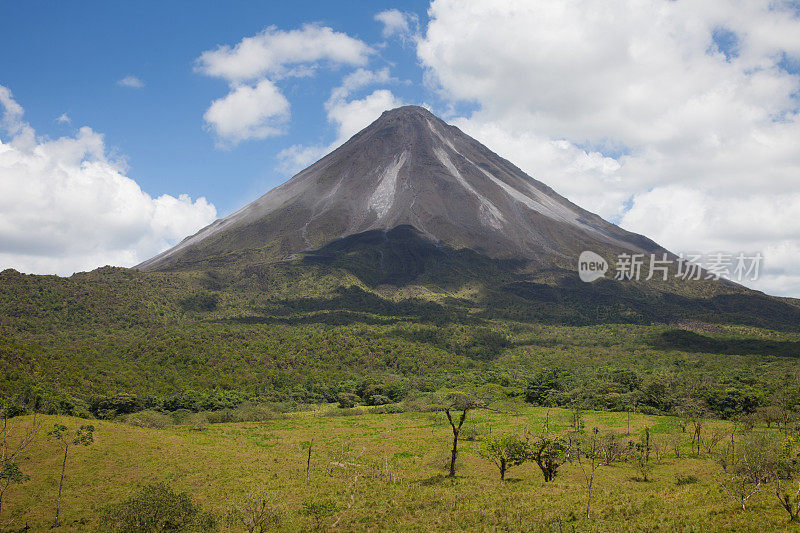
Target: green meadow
(388, 472)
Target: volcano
(408, 169)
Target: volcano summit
(408, 168)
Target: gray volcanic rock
(408, 168)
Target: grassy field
(394, 478)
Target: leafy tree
(157, 508)
(457, 404)
(550, 453)
(65, 438)
(505, 451)
(542, 384)
(348, 400)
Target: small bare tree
(693, 413)
(577, 418)
(713, 439)
(255, 515)
(675, 441)
(592, 453)
(10, 450)
(659, 448)
(789, 501)
(65, 438)
(754, 465)
(307, 445)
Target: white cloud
(634, 110)
(359, 79)
(255, 108)
(271, 53)
(63, 119)
(396, 22)
(248, 113)
(131, 81)
(352, 116)
(66, 206)
(347, 116)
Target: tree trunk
(589, 503)
(502, 469)
(456, 431)
(308, 462)
(454, 453)
(60, 486)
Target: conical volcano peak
(407, 111)
(407, 168)
(403, 126)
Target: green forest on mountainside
(115, 341)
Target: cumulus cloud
(131, 81)
(347, 116)
(248, 113)
(678, 120)
(255, 108)
(359, 79)
(273, 52)
(66, 206)
(63, 118)
(396, 22)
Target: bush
(197, 421)
(179, 416)
(685, 480)
(244, 413)
(348, 400)
(379, 399)
(156, 507)
(389, 409)
(148, 419)
(253, 412)
(347, 411)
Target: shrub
(148, 419)
(319, 510)
(179, 416)
(344, 412)
(685, 480)
(379, 399)
(348, 400)
(156, 507)
(389, 409)
(252, 412)
(197, 421)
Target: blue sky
(66, 57)
(675, 119)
